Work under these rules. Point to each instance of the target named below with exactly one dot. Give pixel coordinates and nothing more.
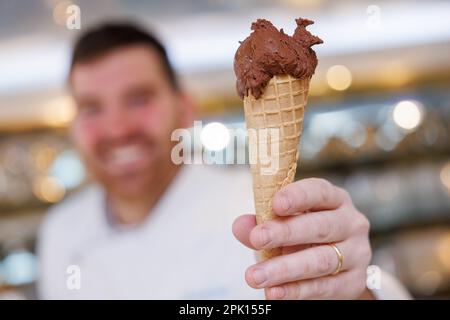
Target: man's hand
(312, 213)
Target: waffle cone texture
(274, 123)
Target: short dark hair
(110, 36)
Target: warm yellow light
(43, 157)
(396, 74)
(339, 77)
(318, 86)
(49, 189)
(407, 115)
(60, 11)
(443, 251)
(445, 176)
(303, 3)
(59, 111)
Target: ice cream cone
(274, 122)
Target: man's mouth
(126, 159)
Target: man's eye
(138, 101)
(89, 110)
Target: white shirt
(184, 250)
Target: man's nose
(119, 124)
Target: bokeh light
(407, 114)
(59, 112)
(339, 77)
(43, 157)
(215, 136)
(68, 169)
(443, 251)
(19, 267)
(445, 176)
(49, 189)
(60, 11)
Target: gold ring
(340, 258)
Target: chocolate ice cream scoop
(269, 51)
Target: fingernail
(265, 236)
(284, 202)
(259, 276)
(278, 292)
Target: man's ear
(188, 109)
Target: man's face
(127, 110)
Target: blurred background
(377, 123)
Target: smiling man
(150, 229)
(128, 105)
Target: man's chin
(128, 190)
(130, 186)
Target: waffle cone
(276, 118)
